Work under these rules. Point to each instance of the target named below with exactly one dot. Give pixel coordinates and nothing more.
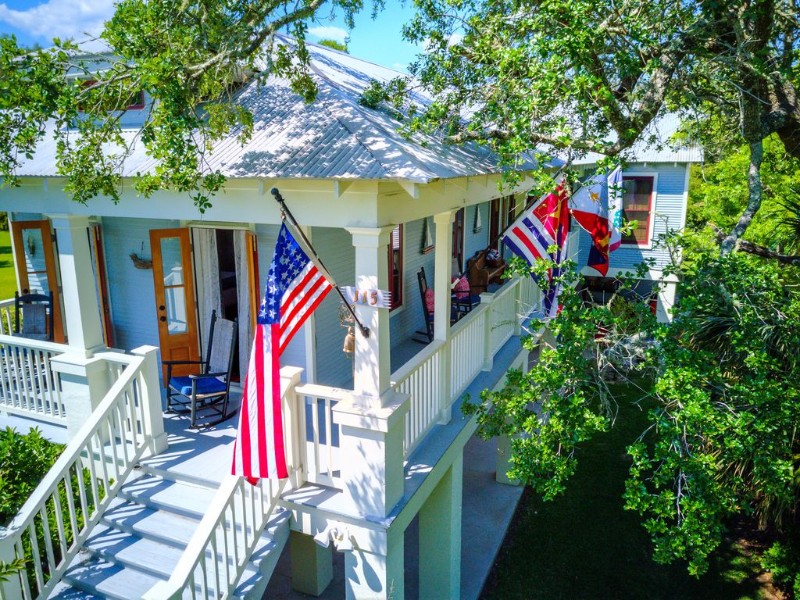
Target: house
(374, 440)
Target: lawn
(8, 280)
(584, 545)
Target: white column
(443, 265)
(372, 360)
(84, 384)
(440, 537)
(376, 575)
(79, 288)
(312, 564)
(12, 588)
(666, 300)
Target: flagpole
(285, 212)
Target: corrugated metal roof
(333, 137)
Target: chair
(207, 391)
(462, 298)
(33, 316)
(426, 295)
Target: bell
(349, 342)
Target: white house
(375, 440)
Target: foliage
(563, 400)
(7, 569)
(722, 439)
(190, 59)
(341, 47)
(783, 561)
(718, 194)
(592, 75)
(24, 459)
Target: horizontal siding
(669, 211)
(334, 367)
(475, 241)
(131, 290)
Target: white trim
(651, 274)
(653, 209)
(685, 207)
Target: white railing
(28, 384)
(318, 437)
(503, 317)
(467, 349)
(6, 316)
(53, 524)
(421, 380)
(223, 542)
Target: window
(637, 205)
(396, 266)
(136, 101)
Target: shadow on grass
(584, 545)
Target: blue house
(375, 438)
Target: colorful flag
(544, 224)
(295, 287)
(597, 207)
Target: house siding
(669, 215)
(475, 242)
(131, 290)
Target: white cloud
(329, 32)
(60, 18)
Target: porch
(476, 353)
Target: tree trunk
(754, 199)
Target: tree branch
(751, 248)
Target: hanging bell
(349, 342)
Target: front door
(36, 265)
(175, 303)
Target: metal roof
(332, 137)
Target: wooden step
(177, 497)
(127, 550)
(64, 591)
(158, 525)
(109, 579)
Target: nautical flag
(544, 224)
(597, 207)
(295, 287)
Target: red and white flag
(295, 287)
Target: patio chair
(204, 396)
(426, 296)
(33, 316)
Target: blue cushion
(205, 385)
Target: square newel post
(79, 289)
(151, 399)
(371, 358)
(443, 266)
(84, 383)
(371, 450)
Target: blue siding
(131, 290)
(475, 242)
(668, 214)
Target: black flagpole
(285, 212)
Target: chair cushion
(461, 288)
(429, 300)
(205, 385)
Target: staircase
(143, 534)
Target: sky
(378, 41)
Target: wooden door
(251, 243)
(36, 265)
(175, 302)
(458, 239)
(96, 242)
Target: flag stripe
(311, 308)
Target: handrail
(86, 477)
(230, 529)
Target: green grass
(8, 279)
(584, 545)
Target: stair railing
(224, 541)
(54, 523)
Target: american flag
(544, 224)
(295, 287)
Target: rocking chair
(207, 392)
(33, 316)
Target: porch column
(371, 359)
(440, 537)
(443, 266)
(79, 288)
(666, 300)
(312, 564)
(378, 574)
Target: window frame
(395, 290)
(651, 210)
(139, 96)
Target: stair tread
(175, 496)
(145, 521)
(110, 579)
(133, 551)
(64, 591)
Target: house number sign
(369, 297)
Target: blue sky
(379, 40)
